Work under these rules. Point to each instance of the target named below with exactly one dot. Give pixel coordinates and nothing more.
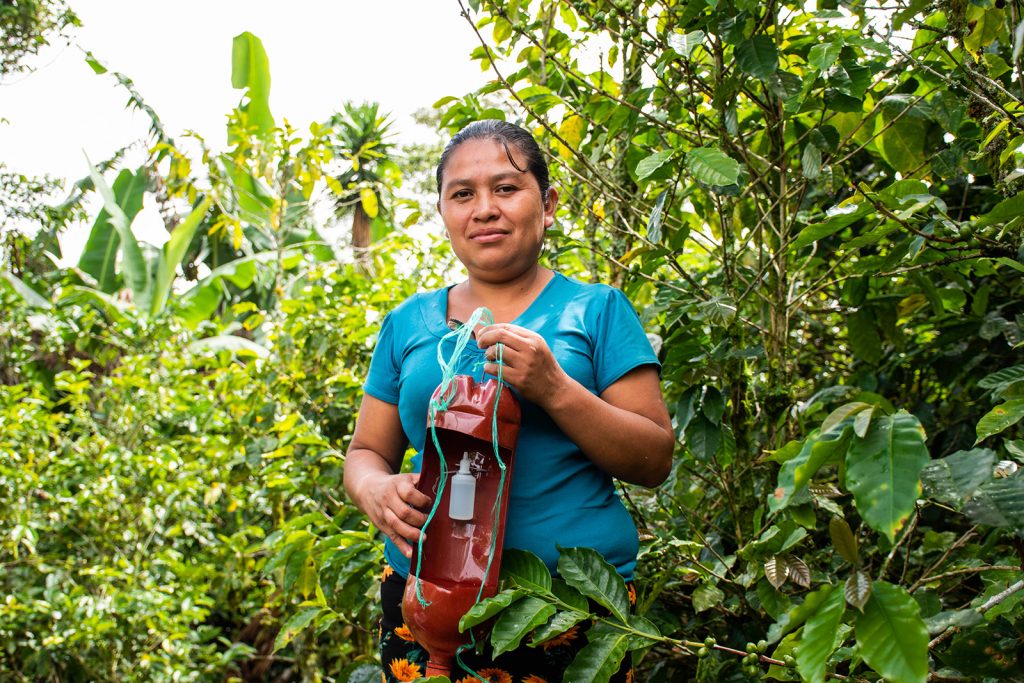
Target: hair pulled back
(507, 134)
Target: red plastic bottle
(456, 553)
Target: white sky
(405, 54)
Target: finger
(400, 528)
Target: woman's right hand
(396, 507)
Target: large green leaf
(797, 615)
(250, 69)
(173, 252)
(818, 449)
(818, 640)
(295, 625)
(1002, 212)
(863, 336)
(883, 471)
(1000, 502)
(134, 268)
(648, 165)
(999, 418)
(758, 56)
(487, 608)
(599, 660)
(517, 621)
(559, 624)
(252, 195)
(1001, 377)
(686, 43)
(892, 636)
(953, 478)
(838, 217)
(31, 296)
(99, 257)
(712, 166)
(525, 569)
(585, 570)
(901, 128)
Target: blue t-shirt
(557, 496)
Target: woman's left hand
(529, 366)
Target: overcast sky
(405, 54)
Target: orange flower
(629, 676)
(404, 633)
(632, 594)
(388, 571)
(533, 678)
(404, 670)
(561, 639)
(496, 675)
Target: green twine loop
(462, 335)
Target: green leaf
(686, 43)
(99, 257)
(839, 217)
(135, 270)
(883, 471)
(999, 418)
(585, 570)
(250, 69)
(487, 608)
(1002, 212)
(559, 624)
(810, 162)
(173, 252)
(649, 165)
(891, 635)
(796, 616)
(865, 341)
(844, 540)
(703, 438)
(517, 621)
(796, 473)
(901, 128)
(525, 569)
(957, 476)
(1000, 502)
(706, 596)
(1002, 377)
(295, 625)
(599, 660)
(712, 166)
(858, 589)
(569, 595)
(308, 578)
(654, 222)
(757, 56)
(238, 346)
(818, 640)
(824, 55)
(31, 296)
(842, 412)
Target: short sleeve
(620, 343)
(382, 379)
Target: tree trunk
(360, 230)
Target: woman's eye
(505, 189)
(460, 194)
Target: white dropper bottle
(460, 504)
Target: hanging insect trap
(467, 466)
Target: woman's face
(494, 213)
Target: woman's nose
(486, 207)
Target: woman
(575, 353)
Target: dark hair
(507, 134)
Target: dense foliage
(817, 211)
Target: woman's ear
(550, 202)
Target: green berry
(762, 645)
(703, 652)
(709, 642)
(751, 648)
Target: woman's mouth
(488, 236)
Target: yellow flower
(404, 670)
(388, 571)
(562, 639)
(404, 633)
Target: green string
(462, 336)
